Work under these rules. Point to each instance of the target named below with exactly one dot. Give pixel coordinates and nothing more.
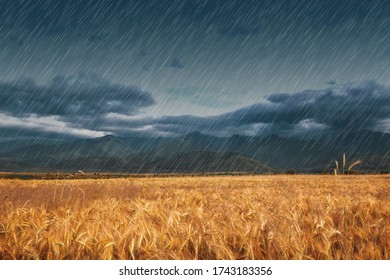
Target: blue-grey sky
(90, 68)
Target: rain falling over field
(94, 93)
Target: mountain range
(196, 153)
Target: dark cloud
(146, 68)
(235, 28)
(311, 112)
(292, 44)
(82, 95)
(98, 37)
(143, 53)
(175, 63)
(89, 105)
(353, 106)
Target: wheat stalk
(354, 164)
(344, 161)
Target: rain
(193, 130)
(194, 85)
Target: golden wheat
(226, 217)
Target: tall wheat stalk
(336, 170)
(344, 160)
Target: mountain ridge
(197, 152)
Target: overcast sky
(91, 68)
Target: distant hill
(197, 152)
(190, 162)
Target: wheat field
(214, 217)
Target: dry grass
(242, 217)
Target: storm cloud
(351, 106)
(88, 105)
(175, 63)
(81, 95)
(345, 107)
